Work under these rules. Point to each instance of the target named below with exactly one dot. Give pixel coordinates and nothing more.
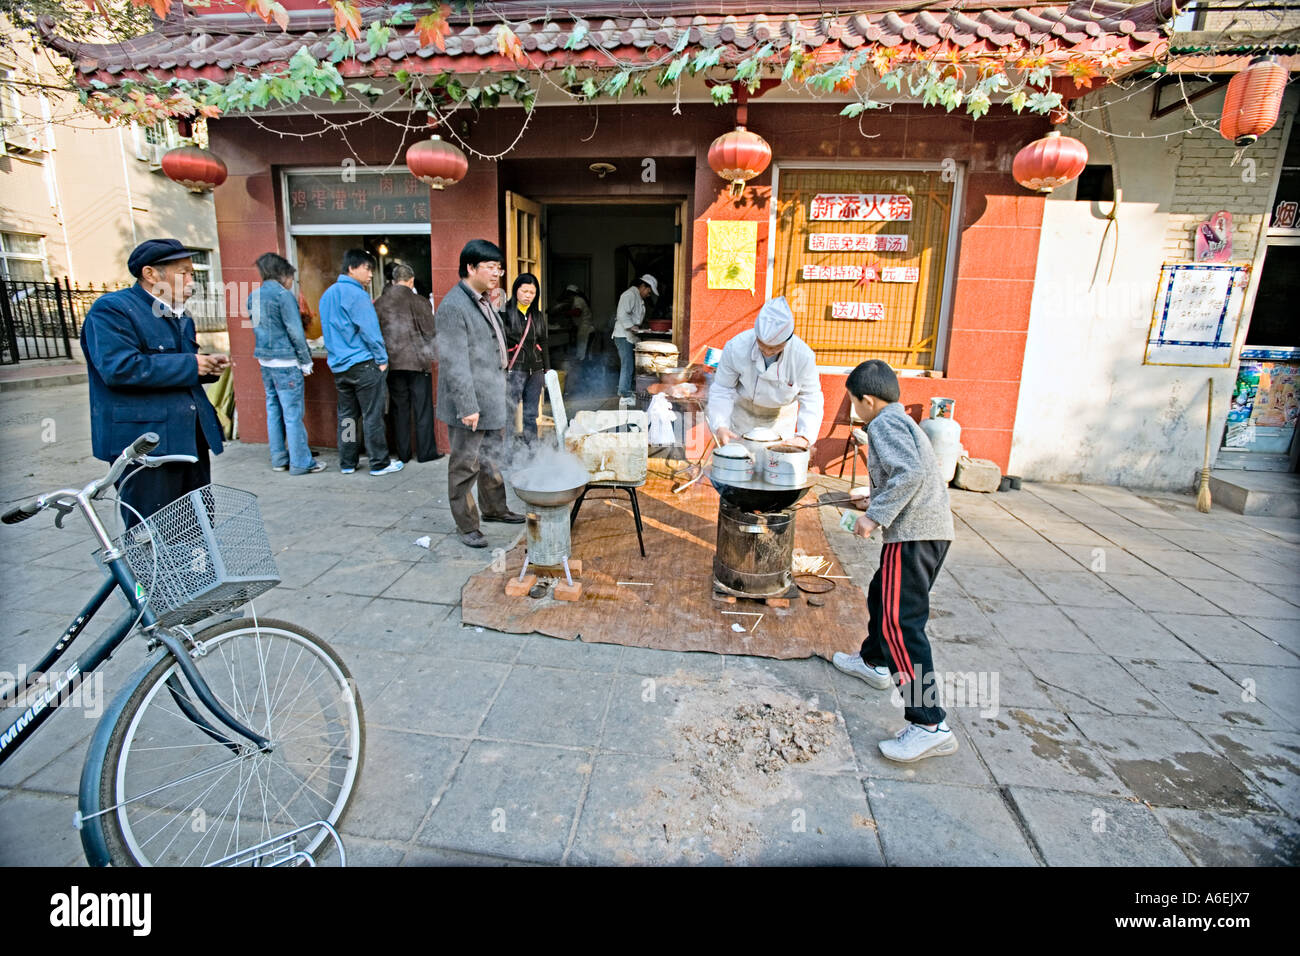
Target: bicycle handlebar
(136, 450)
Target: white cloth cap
(775, 322)
(571, 288)
(651, 282)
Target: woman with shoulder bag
(527, 359)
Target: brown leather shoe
(474, 539)
(509, 517)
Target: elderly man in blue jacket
(145, 370)
(358, 359)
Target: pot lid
(733, 451)
(762, 434)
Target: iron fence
(42, 320)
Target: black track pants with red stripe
(898, 602)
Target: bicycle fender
(88, 820)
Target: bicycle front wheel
(175, 789)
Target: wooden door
(523, 240)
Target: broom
(1203, 492)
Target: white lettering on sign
(854, 273)
(900, 274)
(848, 242)
(862, 311)
(861, 207)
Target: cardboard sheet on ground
(665, 599)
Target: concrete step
(1276, 494)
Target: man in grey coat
(472, 392)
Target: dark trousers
(475, 457)
(148, 489)
(361, 405)
(526, 386)
(898, 602)
(411, 396)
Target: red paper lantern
(195, 168)
(739, 156)
(1049, 162)
(437, 163)
(1253, 101)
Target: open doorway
(598, 248)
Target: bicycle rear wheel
(166, 791)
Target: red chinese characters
(861, 311)
(861, 207)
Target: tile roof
(213, 46)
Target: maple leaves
(1081, 71)
(433, 28)
(508, 45)
(346, 18)
(269, 11)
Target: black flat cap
(153, 251)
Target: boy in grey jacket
(908, 500)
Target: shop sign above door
(361, 198)
(861, 207)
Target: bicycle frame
(120, 578)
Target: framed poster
(1197, 310)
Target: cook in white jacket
(765, 374)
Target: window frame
(6, 256)
(942, 327)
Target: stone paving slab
(1130, 633)
(549, 706)
(1165, 763)
(510, 800)
(1199, 692)
(1090, 684)
(1042, 748)
(1270, 759)
(922, 824)
(1222, 839)
(1071, 829)
(1226, 640)
(402, 774)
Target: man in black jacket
(406, 320)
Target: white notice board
(1197, 308)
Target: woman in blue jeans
(281, 350)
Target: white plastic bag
(662, 417)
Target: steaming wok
(757, 496)
(545, 487)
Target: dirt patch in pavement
(733, 747)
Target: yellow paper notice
(733, 251)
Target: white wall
(1089, 410)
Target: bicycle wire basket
(210, 551)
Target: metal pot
(758, 440)
(787, 466)
(674, 376)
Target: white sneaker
(877, 677)
(394, 465)
(914, 742)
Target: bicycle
(239, 744)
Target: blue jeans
(284, 428)
(626, 365)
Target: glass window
(22, 257)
